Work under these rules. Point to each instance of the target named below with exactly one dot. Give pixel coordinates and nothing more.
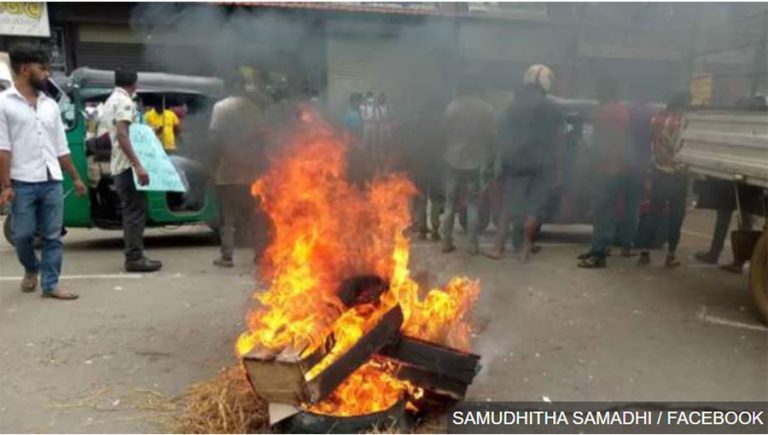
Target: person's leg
(655, 215)
(633, 191)
(722, 225)
(50, 215)
(24, 226)
(134, 215)
(677, 201)
(539, 205)
(505, 217)
(419, 207)
(519, 202)
(471, 179)
(452, 184)
(744, 224)
(437, 205)
(228, 211)
(604, 192)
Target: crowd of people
(453, 153)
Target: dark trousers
(134, 214)
(237, 211)
(606, 191)
(668, 191)
(631, 191)
(522, 196)
(722, 225)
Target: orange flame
(325, 230)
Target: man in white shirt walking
(33, 150)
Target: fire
(324, 230)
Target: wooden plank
(275, 381)
(443, 361)
(385, 332)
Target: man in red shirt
(669, 183)
(612, 160)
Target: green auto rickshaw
(79, 96)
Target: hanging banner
(24, 19)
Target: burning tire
(758, 276)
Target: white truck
(732, 145)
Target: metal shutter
(403, 67)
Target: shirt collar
(122, 91)
(15, 92)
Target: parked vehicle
(732, 145)
(79, 96)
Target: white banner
(24, 19)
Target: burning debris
(343, 330)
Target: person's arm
(124, 142)
(6, 196)
(6, 188)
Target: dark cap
(125, 78)
(26, 54)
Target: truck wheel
(758, 276)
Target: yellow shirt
(165, 123)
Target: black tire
(484, 219)
(758, 276)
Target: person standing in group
(528, 138)
(33, 151)
(611, 168)
(469, 133)
(118, 113)
(640, 114)
(165, 124)
(236, 124)
(669, 182)
(422, 139)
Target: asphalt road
(544, 329)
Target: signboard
(701, 89)
(162, 174)
(24, 19)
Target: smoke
(209, 39)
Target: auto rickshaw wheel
(758, 276)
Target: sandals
(671, 262)
(60, 295)
(592, 262)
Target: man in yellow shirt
(165, 123)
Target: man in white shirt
(116, 118)
(33, 150)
